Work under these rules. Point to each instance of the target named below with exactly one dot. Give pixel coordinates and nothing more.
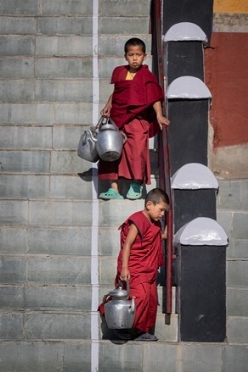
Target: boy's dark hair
(157, 196)
(134, 41)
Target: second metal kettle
(109, 143)
(119, 309)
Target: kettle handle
(120, 284)
(128, 287)
(104, 120)
(92, 136)
(133, 305)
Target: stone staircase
(49, 294)
(58, 241)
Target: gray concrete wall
(46, 208)
(233, 216)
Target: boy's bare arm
(107, 108)
(133, 232)
(162, 120)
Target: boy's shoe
(135, 191)
(123, 334)
(110, 194)
(146, 337)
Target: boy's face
(135, 57)
(156, 211)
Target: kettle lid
(119, 292)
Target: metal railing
(163, 146)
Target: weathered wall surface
(230, 6)
(226, 77)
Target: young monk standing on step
(139, 259)
(136, 108)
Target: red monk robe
(145, 258)
(133, 113)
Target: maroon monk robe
(133, 113)
(145, 258)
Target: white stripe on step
(95, 206)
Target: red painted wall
(226, 75)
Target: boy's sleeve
(140, 222)
(117, 74)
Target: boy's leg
(115, 186)
(153, 306)
(135, 161)
(146, 302)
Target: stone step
(73, 25)
(107, 64)
(71, 46)
(127, 26)
(28, 325)
(45, 114)
(113, 45)
(56, 298)
(50, 325)
(57, 186)
(29, 7)
(60, 90)
(52, 162)
(131, 356)
(62, 187)
(63, 269)
(78, 8)
(59, 298)
(124, 8)
(59, 68)
(13, 91)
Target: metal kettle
(87, 146)
(119, 309)
(110, 140)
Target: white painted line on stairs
(95, 205)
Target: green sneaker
(135, 191)
(110, 194)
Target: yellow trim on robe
(129, 76)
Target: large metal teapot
(109, 140)
(119, 309)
